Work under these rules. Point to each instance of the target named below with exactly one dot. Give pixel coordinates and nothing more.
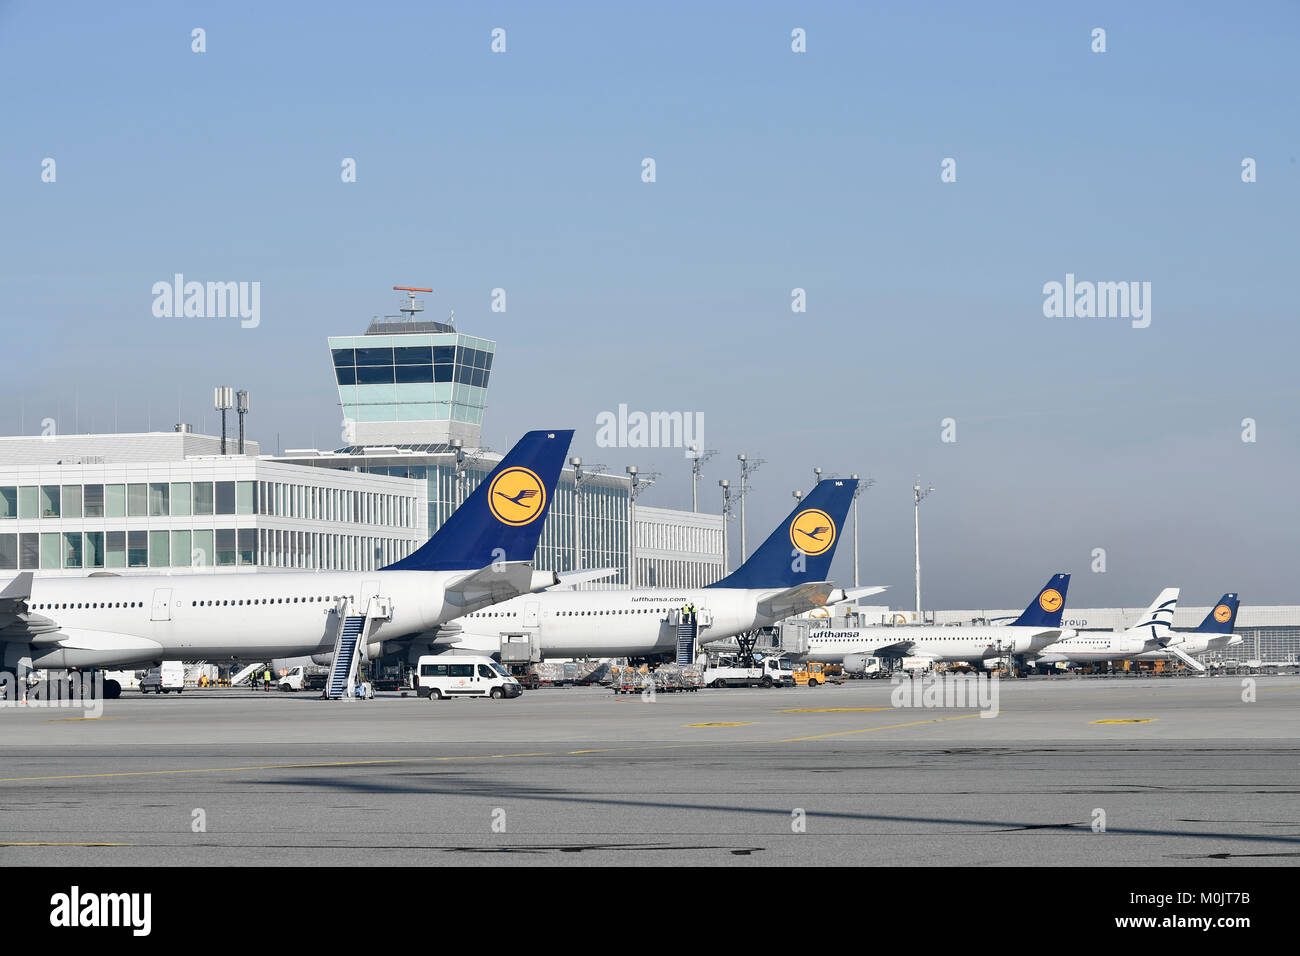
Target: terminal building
(413, 394)
(169, 502)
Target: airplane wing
(568, 579)
(1044, 638)
(898, 649)
(17, 622)
(13, 598)
(852, 594)
(795, 600)
(493, 584)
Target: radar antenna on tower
(412, 304)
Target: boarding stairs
(243, 675)
(351, 633)
(1186, 658)
(688, 633)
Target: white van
(163, 680)
(457, 675)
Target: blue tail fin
(801, 548)
(1222, 618)
(503, 518)
(1046, 609)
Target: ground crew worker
(266, 679)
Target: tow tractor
(813, 673)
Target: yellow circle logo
(516, 496)
(812, 532)
(1222, 613)
(1050, 600)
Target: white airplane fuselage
(613, 623)
(947, 644)
(118, 621)
(1095, 648)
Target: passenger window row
(87, 605)
(313, 599)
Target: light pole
(725, 485)
(919, 496)
(747, 467)
(640, 483)
(577, 511)
(867, 483)
(580, 479)
(698, 458)
(458, 447)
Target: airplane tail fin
(1046, 608)
(503, 518)
(801, 548)
(1223, 618)
(1160, 615)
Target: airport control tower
(409, 382)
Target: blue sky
(775, 170)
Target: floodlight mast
(698, 458)
(725, 485)
(640, 482)
(918, 496)
(580, 478)
(862, 484)
(747, 467)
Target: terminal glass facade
(198, 523)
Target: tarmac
(1095, 771)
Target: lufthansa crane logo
(812, 532)
(1222, 613)
(1050, 600)
(516, 497)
